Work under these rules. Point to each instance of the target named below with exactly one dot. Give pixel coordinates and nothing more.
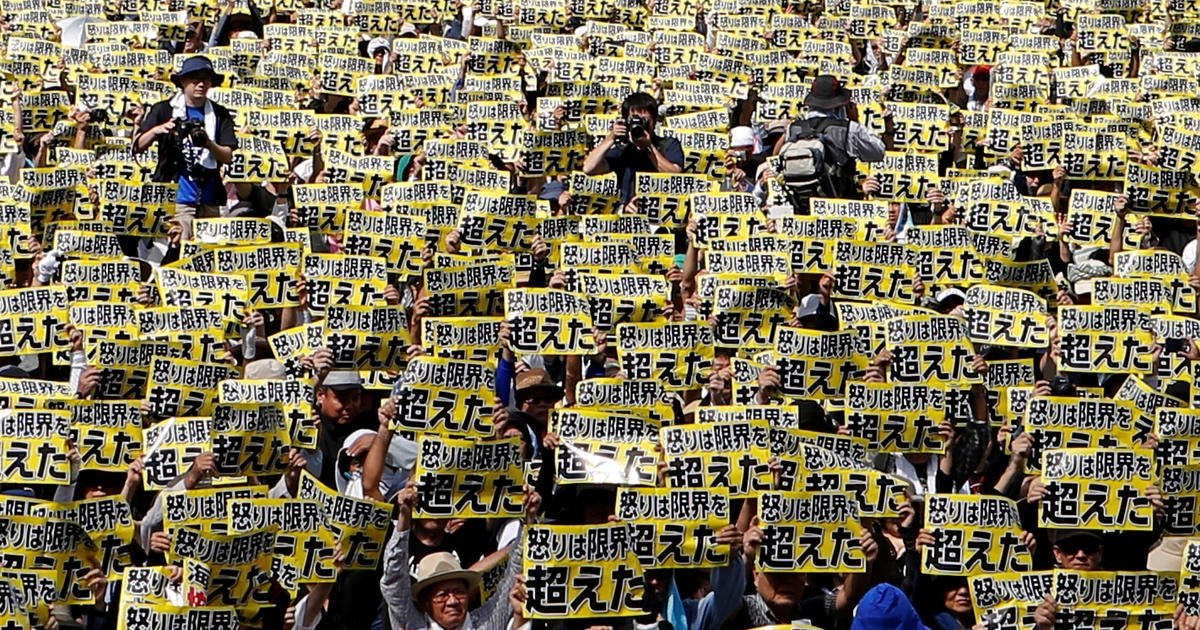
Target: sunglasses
(1072, 547)
(535, 398)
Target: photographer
(631, 146)
(195, 136)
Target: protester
(599, 316)
(631, 146)
(194, 136)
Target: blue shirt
(191, 191)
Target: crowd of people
(572, 314)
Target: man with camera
(195, 137)
(631, 146)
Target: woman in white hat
(440, 598)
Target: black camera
(98, 116)
(191, 129)
(1060, 386)
(636, 126)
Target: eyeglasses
(534, 398)
(1072, 547)
(441, 597)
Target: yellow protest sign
(250, 439)
(640, 395)
(1146, 401)
(1160, 264)
(1006, 317)
(809, 532)
(674, 528)
(774, 415)
(271, 270)
(1106, 339)
(807, 466)
(101, 281)
(171, 446)
(625, 298)
(906, 177)
(1181, 497)
(179, 387)
(304, 547)
(600, 446)
(549, 321)
(1026, 588)
(323, 208)
(108, 433)
(344, 280)
(1098, 489)
(35, 446)
(465, 338)
(445, 396)
(930, 349)
(945, 255)
(397, 239)
(294, 396)
(813, 364)
(240, 563)
(359, 525)
(206, 509)
(472, 291)
(108, 525)
(750, 317)
(367, 337)
(469, 478)
(1068, 422)
(663, 197)
(136, 208)
(896, 418)
(1097, 595)
(733, 456)
(31, 320)
(973, 534)
(679, 354)
(873, 271)
(565, 562)
(186, 289)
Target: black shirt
(627, 160)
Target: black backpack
(815, 161)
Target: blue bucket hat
(886, 607)
(196, 65)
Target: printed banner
(445, 396)
(896, 418)
(973, 534)
(469, 478)
(1098, 489)
(809, 532)
(549, 321)
(678, 354)
(35, 446)
(574, 572)
(732, 456)
(674, 528)
(599, 446)
(1006, 317)
(359, 525)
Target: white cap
(741, 137)
(376, 44)
(952, 292)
